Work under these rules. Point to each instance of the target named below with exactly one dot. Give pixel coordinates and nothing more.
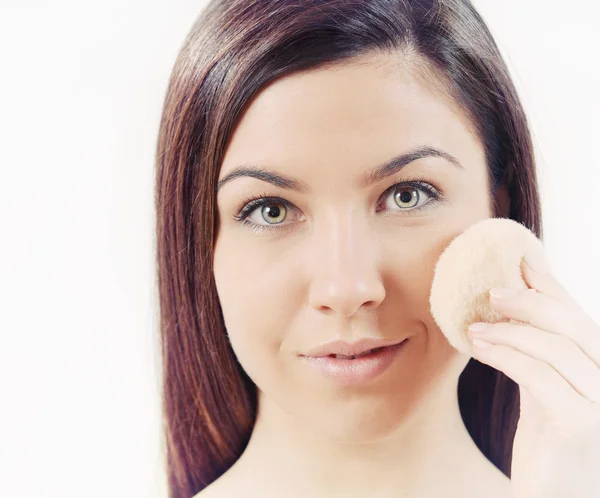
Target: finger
(530, 306)
(543, 281)
(549, 314)
(562, 354)
(544, 383)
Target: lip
(350, 349)
(356, 371)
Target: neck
(429, 452)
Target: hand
(551, 349)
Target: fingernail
(502, 293)
(537, 263)
(478, 326)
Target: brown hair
(233, 50)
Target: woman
(314, 160)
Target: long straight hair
(234, 49)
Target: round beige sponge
(487, 254)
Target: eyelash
(253, 203)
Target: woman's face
(339, 257)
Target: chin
(360, 422)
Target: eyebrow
(379, 173)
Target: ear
(502, 202)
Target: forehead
(357, 112)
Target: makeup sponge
(487, 254)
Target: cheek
(255, 300)
(248, 319)
(254, 337)
(410, 258)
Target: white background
(81, 91)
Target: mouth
(366, 353)
(357, 369)
(350, 351)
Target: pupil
(405, 196)
(273, 211)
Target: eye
(258, 210)
(273, 212)
(407, 196)
(268, 213)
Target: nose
(346, 267)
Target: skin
(345, 262)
